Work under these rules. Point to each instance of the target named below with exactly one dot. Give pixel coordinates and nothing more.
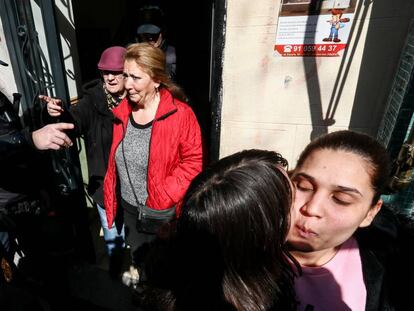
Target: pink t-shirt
(338, 285)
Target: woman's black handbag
(151, 220)
(148, 220)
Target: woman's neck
(149, 102)
(315, 258)
(144, 111)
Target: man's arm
(52, 136)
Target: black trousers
(138, 242)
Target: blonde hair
(152, 60)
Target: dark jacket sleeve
(387, 255)
(14, 141)
(80, 114)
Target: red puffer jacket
(175, 158)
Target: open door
(194, 28)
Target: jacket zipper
(164, 116)
(123, 136)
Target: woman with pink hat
(93, 118)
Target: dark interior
(103, 23)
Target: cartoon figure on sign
(336, 23)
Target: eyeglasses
(110, 72)
(117, 75)
(148, 37)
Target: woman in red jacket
(156, 149)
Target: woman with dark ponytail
(229, 247)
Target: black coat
(93, 120)
(22, 169)
(387, 255)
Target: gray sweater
(132, 159)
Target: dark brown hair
(230, 240)
(360, 144)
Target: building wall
(7, 81)
(280, 103)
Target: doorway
(103, 23)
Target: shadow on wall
(387, 30)
(346, 62)
(312, 79)
(321, 122)
(69, 36)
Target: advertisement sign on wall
(314, 28)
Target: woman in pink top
(348, 261)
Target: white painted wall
(68, 38)
(66, 25)
(266, 100)
(7, 81)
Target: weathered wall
(279, 103)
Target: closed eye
(303, 189)
(303, 185)
(341, 202)
(343, 198)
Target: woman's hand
(54, 105)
